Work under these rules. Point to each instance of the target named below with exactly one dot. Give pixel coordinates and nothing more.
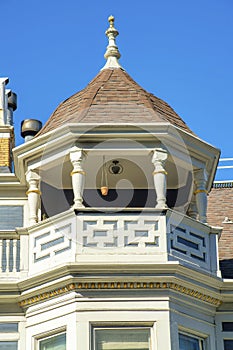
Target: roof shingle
(113, 97)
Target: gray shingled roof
(113, 97)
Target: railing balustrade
(151, 235)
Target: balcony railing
(90, 236)
(9, 252)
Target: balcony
(109, 236)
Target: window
(228, 344)
(188, 342)
(122, 338)
(227, 326)
(8, 327)
(11, 216)
(8, 345)
(57, 342)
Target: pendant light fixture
(104, 179)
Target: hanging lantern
(104, 180)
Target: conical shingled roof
(113, 97)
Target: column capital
(200, 175)
(77, 154)
(32, 175)
(159, 155)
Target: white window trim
(47, 335)
(124, 325)
(202, 340)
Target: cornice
(169, 277)
(69, 134)
(121, 270)
(128, 277)
(123, 285)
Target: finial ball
(111, 19)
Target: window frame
(121, 326)
(49, 334)
(10, 335)
(9, 331)
(226, 339)
(202, 340)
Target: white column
(192, 210)
(8, 255)
(200, 179)
(33, 193)
(78, 176)
(160, 177)
(14, 255)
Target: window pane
(57, 342)
(189, 343)
(11, 217)
(228, 344)
(122, 339)
(227, 326)
(8, 345)
(8, 327)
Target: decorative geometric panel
(188, 243)
(52, 243)
(120, 233)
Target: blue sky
(181, 51)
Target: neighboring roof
(220, 213)
(113, 97)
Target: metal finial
(112, 53)
(111, 20)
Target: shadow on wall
(55, 201)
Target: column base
(33, 221)
(77, 206)
(161, 206)
(203, 219)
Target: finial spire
(112, 53)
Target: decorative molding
(200, 191)
(78, 172)
(47, 295)
(222, 184)
(33, 191)
(160, 172)
(119, 286)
